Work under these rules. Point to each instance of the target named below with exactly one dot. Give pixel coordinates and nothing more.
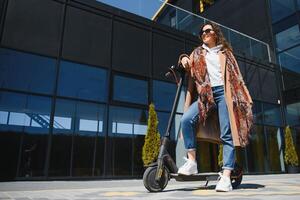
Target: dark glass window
(127, 128)
(24, 132)
(292, 114)
(163, 95)
(272, 114)
(259, 50)
(207, 156)
(26, 72)
(290, 59)
(281, 9)
(240, 43)
(274, 149)
(256, 150)
(257, 112)
(163, 119)
(78, 130)
(288, 38)
(82, 81)
(130, 90)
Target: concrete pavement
(281, 186)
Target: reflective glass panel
(24, 133)
(78, 129)
(130, 90)
(127, 127)
(26, 72)
(82, 81)
(274, 149)
(163, 95)
(288, 38)
(290, 59)
(272, 114)
(281, 9)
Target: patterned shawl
(242, 105)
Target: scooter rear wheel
(237, 173)
(149, 179)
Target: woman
(214, 72)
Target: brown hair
(220, 37)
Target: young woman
(213, 71)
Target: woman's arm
(190, 90)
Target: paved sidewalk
(283, 186)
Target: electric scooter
(158, 174)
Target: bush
(220, 155)
(290, 154)
(152, 138)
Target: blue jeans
(190, 119)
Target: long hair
(220, 39)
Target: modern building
(76, 80)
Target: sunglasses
(206, 31)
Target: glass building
(76, 79)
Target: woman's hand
(185, 62)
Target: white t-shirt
(213, 65)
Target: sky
(144, 8)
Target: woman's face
(208, 35)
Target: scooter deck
(210, 176)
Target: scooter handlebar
(179, 68)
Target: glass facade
(76, 107)
(286, 29)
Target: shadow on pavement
(212, 187)
(250, 186)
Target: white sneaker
(189, 167)
(224, 184)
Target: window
(290, 59)
(26, 115)
(130, 90)
(127, 121)
(288, 38)
(293, 114)
(26, 72)
(163, 95)
(173, 18)
(257, 112)
(281, 9)
(240, 43)
(127, 128)
(256, 150)
(259, 50)
(82, 82)
(21, 112)
(274, 149)
(76, 127)
(272, 114)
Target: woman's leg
(228, 148)
(226, 137)
(188, 122)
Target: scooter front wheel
(149, 179)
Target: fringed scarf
(242, 107)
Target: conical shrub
(290, 154)
(152, 138)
